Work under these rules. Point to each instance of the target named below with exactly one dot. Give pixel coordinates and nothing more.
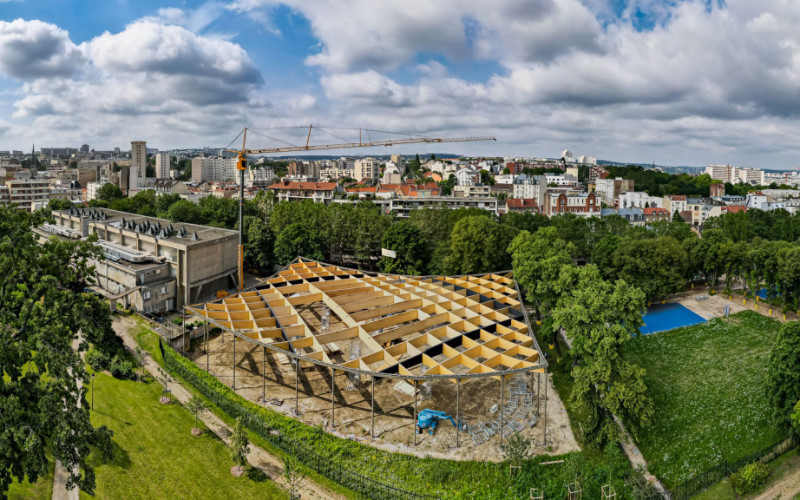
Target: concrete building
(168, 186)
(728, 173)
(472, 191)
(467, 176)
(757, 200)
(655, 214)
(200, 259)
(304, 169)
(93, 190)
(367, 168)
(162, 165)
(26, 192)
(260, 178)
(138, 169)
(214, 169)
(521, 205)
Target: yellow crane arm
(345, 145)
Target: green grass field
(40, 490)
(155, 454)
(707, 384)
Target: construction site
(443, 366)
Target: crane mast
(241, 165)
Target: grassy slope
(40, 490)
(447, 478)
(155, 456)
(707, 383)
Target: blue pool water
(663, 317)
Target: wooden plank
(389, 309)
(391, 320)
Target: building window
(146, 294)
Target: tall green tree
(599, 317)
(42, 309)
(479, 244)
(109, 192)
(783, 373)
(408, 243)
(298, 240)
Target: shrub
(750, 477)
(121, 367)
(97, 359)
(177, 321)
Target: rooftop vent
(194, 236)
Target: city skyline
(670, 82)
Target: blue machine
(427, 419)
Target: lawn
(40, 490)
(707, 384)
(155, 456)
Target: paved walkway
(269, 464)
(61, 476)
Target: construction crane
(241, 165)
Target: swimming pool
(663, 317)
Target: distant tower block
(138, 163)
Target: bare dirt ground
(394, 409)
(712, 306)
(787, 487)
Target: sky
(675, 82)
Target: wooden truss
(386, 325)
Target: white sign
(389, 253)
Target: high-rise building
(214, 169)
(138, 163)
(85, 148)
(367, 168)
(162, 165)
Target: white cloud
(33, 49)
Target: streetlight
(92, 391)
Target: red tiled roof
(521, 203)
(677, 197)
(734, 209)
(362, 190)
(310, 186)
(656, 211)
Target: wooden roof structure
(385, 325)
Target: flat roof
(415, 327)
(114, 219)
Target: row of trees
(599, 316)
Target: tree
(599, 317)
(783, 373)
(298, 240)
(259, 244)
(238, 447)
(487, 179)
(516, 449)
(185, 211)
(293, 476)
(196, 407)
(409, 245)
(109, 192)
(42, 309)
(677, 217)
(164, 378)
(59, 204)
(478, 245)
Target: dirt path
(636, 458)
(786, 488)
(271, 465)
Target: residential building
(169, 186)
(521, 205)
(582, 205)
(260, 178)
(724, 173)
(634, 216)
(162, 165)
(93, 190)
(608, 190)
(467, 176)
(757, 200)
(320, 192)
(403, 205)
(730, 199)
(674, 203)
(392, 174)
(145, 254)
(367, 168)
(399, 161)
(138, 168)
(717, 189)
(728, 173)
(214, 169)
(472, 191)
(529, 188)
(639, 199)
(25, 192)
(654, 214)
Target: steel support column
(234, 363)
(458, 409)
(544, 443)
(502, 398)
(414, 427)
(333, 401)
(264, 375)
(372, 432)
(297, 386)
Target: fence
(724, 469)
(308, 456)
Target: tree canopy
(783, 372)
(42, 308)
